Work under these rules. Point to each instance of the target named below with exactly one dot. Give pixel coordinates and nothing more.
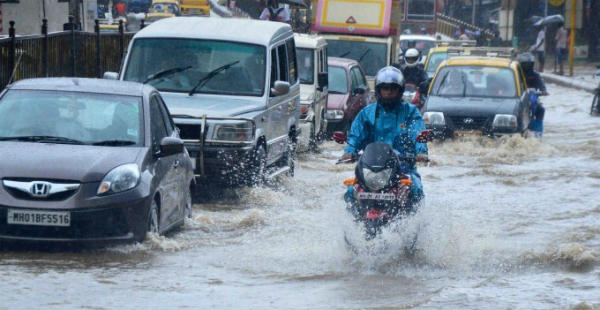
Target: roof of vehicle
(478, 61)
(229, 29)
(102, 86)
(341, 62)
(421, 37)
(309, 41)
(438, 49)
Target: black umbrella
(552, 19)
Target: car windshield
(245, 78)
(422, 45)
(84, 117)
(164, 8)
(435, 59)
(338, 81)
(475, 81)
(371, 56)
(306, 65)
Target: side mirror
(322, 80)
(280, 88)
(358, 91)
(339, 137)
(110, 75)
(170, 146)
(425, 136)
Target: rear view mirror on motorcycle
(425, 136)
(339, 137)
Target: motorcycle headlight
(434, 118)
(120, 179)
(334, 114)
(376, 180)
(505, 121)
(233, 132)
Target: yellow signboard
(354, 13)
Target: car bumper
(116, 218)
(219, 162)
(443, 132)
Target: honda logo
(40, 189)
(468, 121)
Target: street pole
(572, 37)
(473, 12)
(546, 8)
(74, 10)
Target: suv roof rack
(502, 52)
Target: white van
(311, 52)
(232, 88)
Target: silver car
(232, 87)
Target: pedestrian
(120, 8)
(273, 12)
(561, 47)
(458, 33)
(539, 48)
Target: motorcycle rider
(392, 121)
(412, 70)
(534, 80)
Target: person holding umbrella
(273, 12)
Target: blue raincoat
(398, 127)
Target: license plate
(377, 196)
(39, 218)
(462, 133)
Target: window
(371, 56)
(338, 81)
(274, 66)
(283, 63)
(475, 81)
(293, 68)
(420, 9)
(157, 124)
(306, 65)
(166, 116)
(358, 76)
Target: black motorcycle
(379, 192)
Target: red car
(349, 92)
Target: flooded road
(507, 223)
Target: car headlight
(334, 114)
(242, 131)
(376, 180)
(304, 107)
(505, 121)
(434, 118)
(120, 179)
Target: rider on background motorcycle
(412, 70)
(392, 121)
(534, 80)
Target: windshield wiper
(335, 92)
(164, 73)
(114, 142)
(363, 55)
(345, 54)
(210, 75)
(43, 139)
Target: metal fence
(67, 53)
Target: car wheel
(595, 109)
(313, 137)
(256, 176)
(290, 156)
(153, 218)
(322, 134)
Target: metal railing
(67, 53)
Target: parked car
(349, 92)
(98, 161)
(234, 93)
(478, 95)
(311, 53)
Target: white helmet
(411, 57)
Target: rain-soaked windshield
(475, 81)
(164, 8)
(370, 55)
(151, 56)
(338, 81)
(434, 60)
(80, 117)
(306, 65)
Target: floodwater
(507, 223)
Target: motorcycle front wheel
(595, 109)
